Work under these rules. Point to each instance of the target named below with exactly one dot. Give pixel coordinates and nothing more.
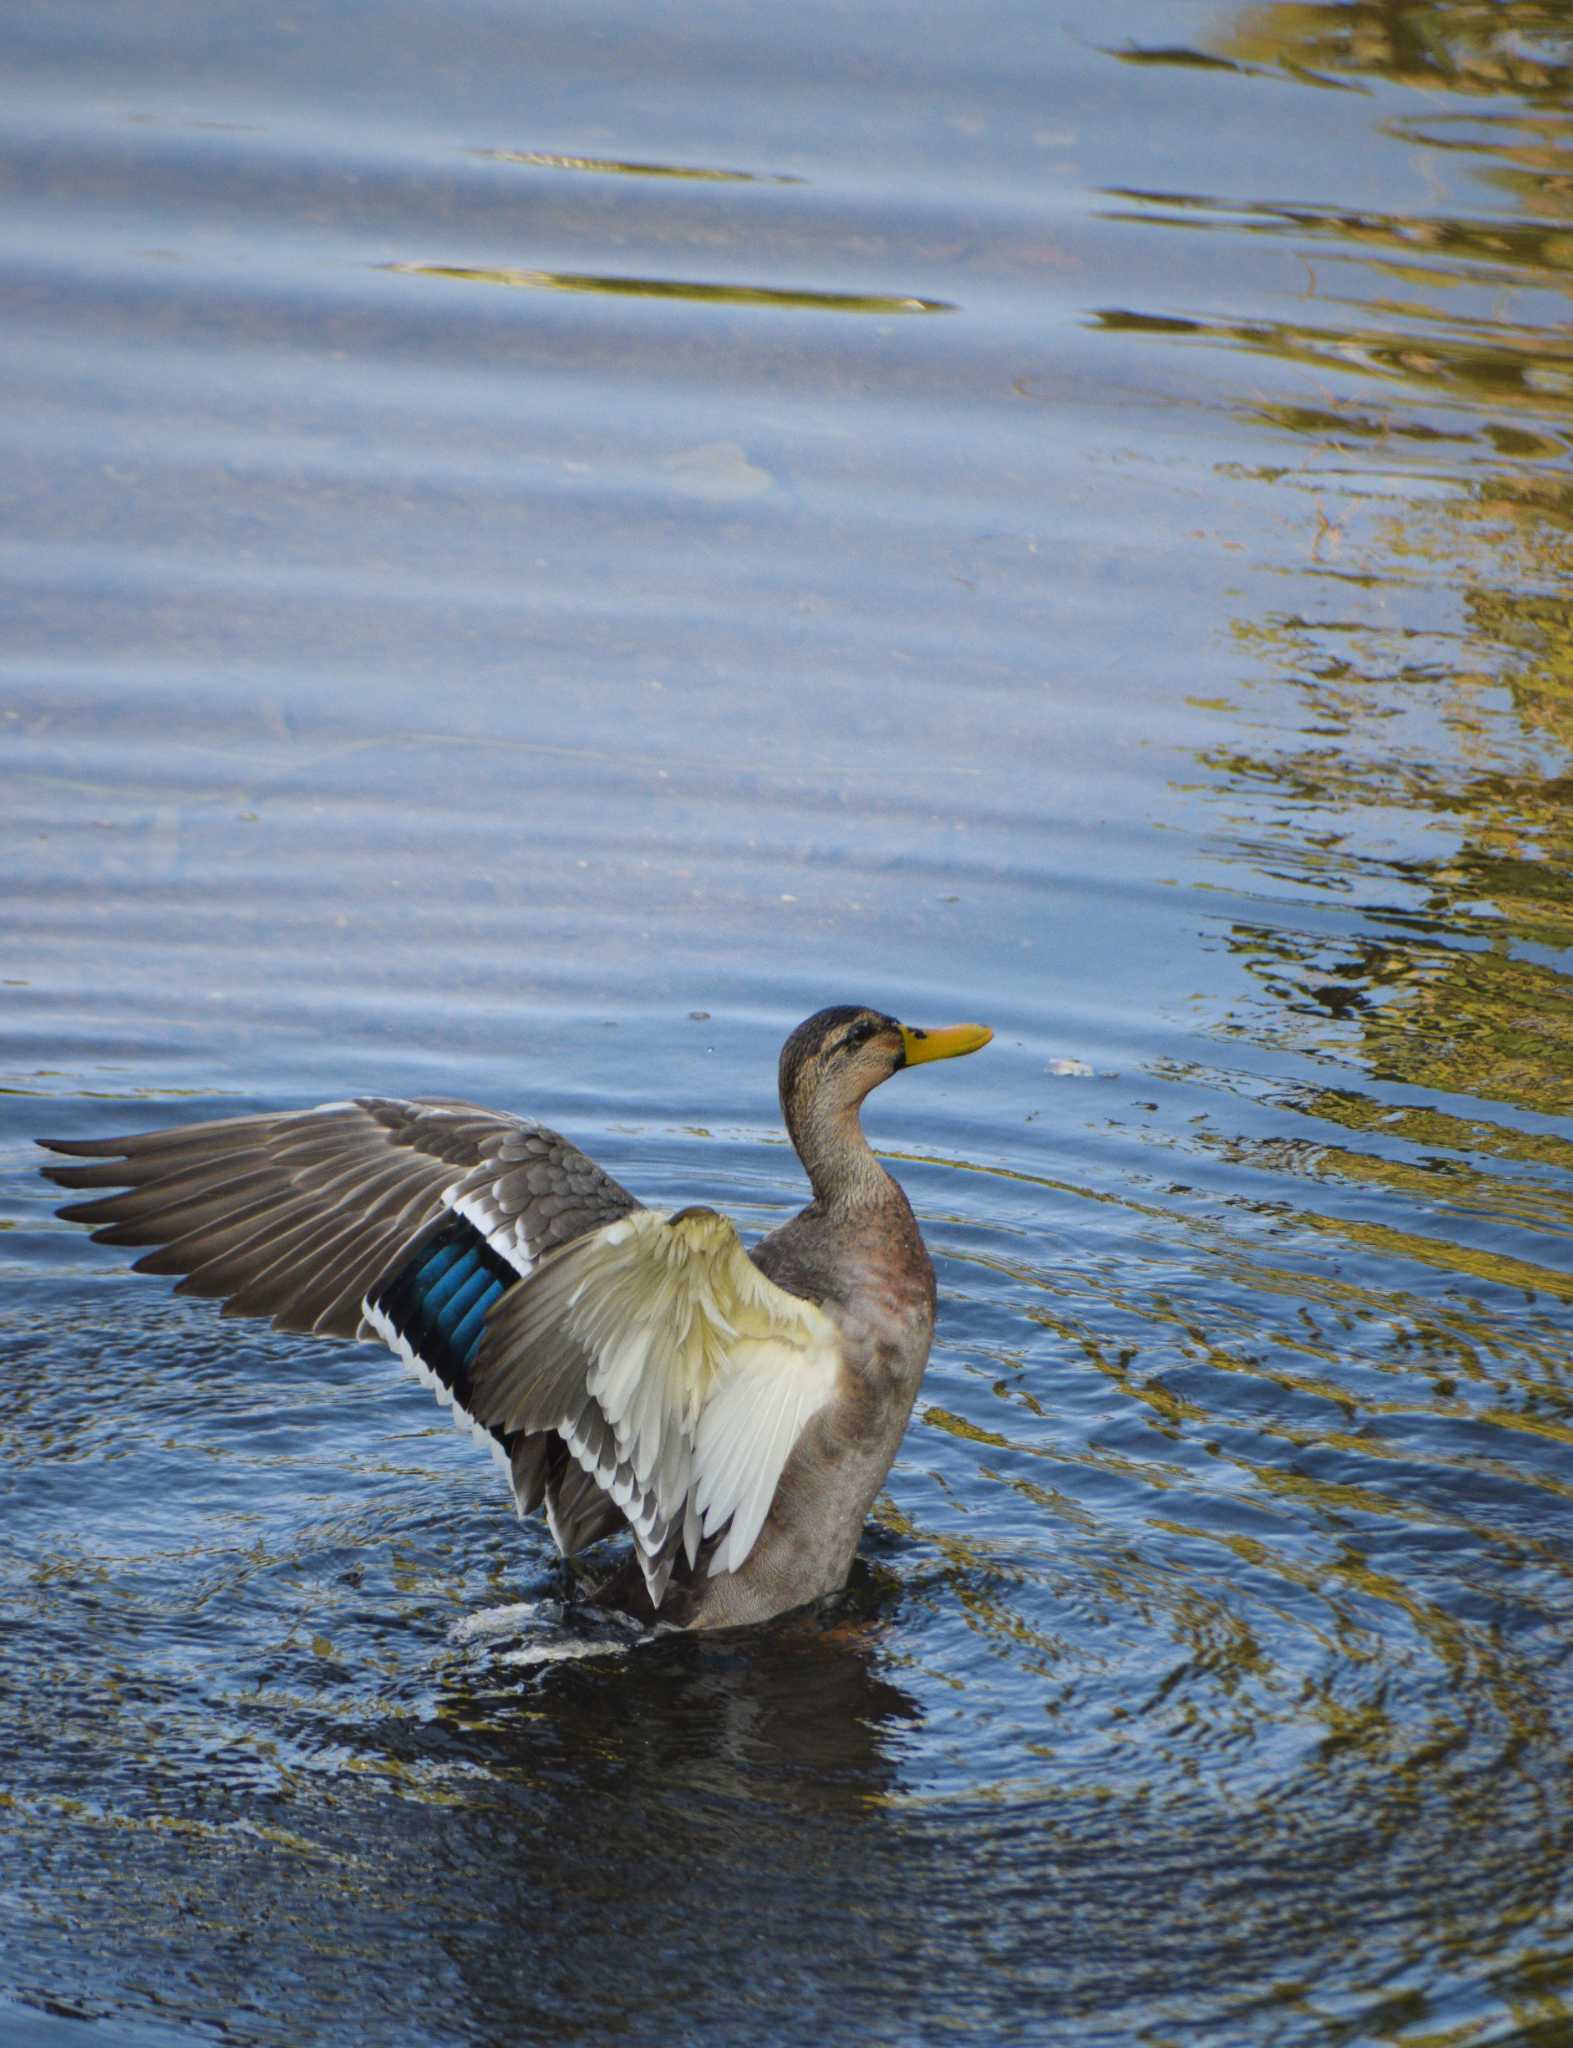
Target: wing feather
(679, 1376)
(297, 1216)
(642, 1370)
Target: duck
(734, 1409)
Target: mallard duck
(736, 1410)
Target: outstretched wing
(678, 1376)
(297, 1216)
(645, 1369)
(384, 1219)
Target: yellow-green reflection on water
(1489, 47)
(675, 288)
(545, 159)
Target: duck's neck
(842, 1170)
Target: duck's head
(837, 1056)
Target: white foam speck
(546, 1641)
(559, 1653)
(500, 1621)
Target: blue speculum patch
(438, 1300)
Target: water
(1073, 531)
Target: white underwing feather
(702, 1374)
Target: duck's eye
(860, 1034)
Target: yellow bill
(948, 1044)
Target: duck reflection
(628, 1828)
(796, 1712)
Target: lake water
(543, 543)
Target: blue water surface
(542, 544)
